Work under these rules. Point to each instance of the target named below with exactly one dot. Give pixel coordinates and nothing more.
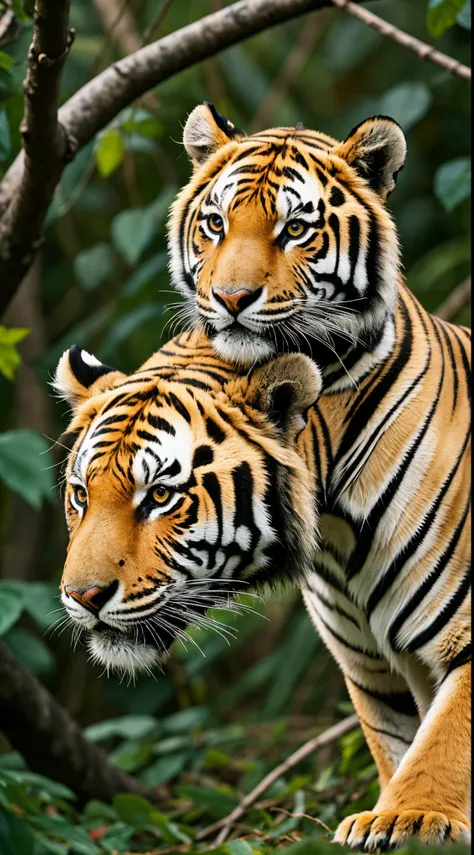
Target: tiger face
(176, 498)
(281, 240)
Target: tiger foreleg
(428, 795)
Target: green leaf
(93, 266)
(407, 103)
(9, 357)
(171, 832)
(31, 651)
(164, 769)
(133, 230)
(463, 19)
(442, 15)
(452, 182)
(127, 726)
(186, 720)
(110, 152)
(5, 140)
(6, 61)
(42, 603)
(24, 462)
(134, 810)
(15, 836)
(11, 605)
(131, 755)
(215, 801)
(41, 783)
(145, 274)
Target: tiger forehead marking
(282, 241)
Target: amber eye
(215, 223)
(80, 494)
(160, 494)
(295, 228)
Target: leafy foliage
(210, 727)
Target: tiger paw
(388, 829)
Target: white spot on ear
(89, 359)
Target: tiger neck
(344, 367)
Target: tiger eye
(295, 228)
(215, 223)
(161, 495)
(80, 494)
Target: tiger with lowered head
(282, 241)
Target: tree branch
(421, 49)
(325, 738)
(457, 300)
(47, 146)
(28, 191)
(51, 742)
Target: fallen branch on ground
(331, 735)
(51, 742)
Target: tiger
(282, 242)
(183, 485)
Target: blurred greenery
(211, 726)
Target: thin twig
(457, 300)
(156, 21)
(421, 49)
(331, 735)
(301, 816)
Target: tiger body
(281, 241)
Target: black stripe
(384, 732)
(426, 586)
(412, 545)
(353, 647)
(401, 702)
(443, 617)
(159, 423)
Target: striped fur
(183, 485)
(388, 440)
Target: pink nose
(92, 598)
(235, 300)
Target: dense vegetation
(236, 702)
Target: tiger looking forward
(282, 241)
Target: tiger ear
(205, 132)
(376, 149)
(285, 389)
(80, 375)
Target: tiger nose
(235, 300)
(93, 598)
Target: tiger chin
(181, 491)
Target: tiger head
(282, 240)
(176, 498)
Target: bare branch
(51, 742)
(460, 297)
(47, 146)
(331, 735)
(421, 49)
